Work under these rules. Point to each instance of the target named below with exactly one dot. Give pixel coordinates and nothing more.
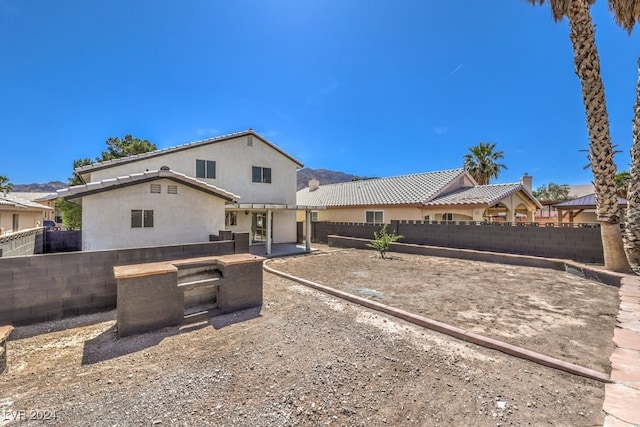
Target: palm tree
(587, 66)
(627, 14)
(5, 185)
(482, 162)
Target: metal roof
(78, 191)
(482, 195)
(110, 163)
(585, 202)
(398, 190)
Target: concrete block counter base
(152, 296)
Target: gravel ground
(303, 358)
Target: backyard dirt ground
(306, 358)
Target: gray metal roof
(109, 163)
(482, 195)
(398, 190)
(78, 191)
(585, 202)
(16, 202)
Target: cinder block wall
(52, 286)
(578, 244)
(62, 241)
(22, 243)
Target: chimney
(527, 181)
(314, 184)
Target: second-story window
(205, 168)
(260, 174)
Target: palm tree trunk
(632, 230)
(587, 65)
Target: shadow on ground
(108, 346)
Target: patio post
(268, 248)
(307, 237)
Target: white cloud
(319, 96)
(455, 70)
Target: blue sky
(368, 87)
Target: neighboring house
(18, 214)
(548, 213)
(259, 177)
(583, 209)
(448, 195)
(47, 199)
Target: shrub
(382, 240)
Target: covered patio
(262, 227)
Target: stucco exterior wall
(411, 213)
(187, 217)
(284, 226)
(26, 219)
(234, 160)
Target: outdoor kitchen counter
(161, 267)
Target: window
(260, 174)
(230, 218)
(314, 216)
(374, 217)
(447, 217)
(16, 222)
(156, 188)
(427, 218)
(172, 189)
(141, 218)
(205, 168)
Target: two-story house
(239, 182)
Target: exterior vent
(165, 168)
(172, 189)
(249, 140)
(156, 188)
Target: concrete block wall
(578, 244)
(22, 243)
(62, 241)
(52, 286)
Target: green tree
(627, 14)
(5, 185)
(552, 192)
(482, 162)
(382, 240)
(71, 213)
(587, 67)
(127, 146)
(622, 183)
(116, 148)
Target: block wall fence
(582, 244)
(45, 287)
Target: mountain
(49, 187)
(325, 176)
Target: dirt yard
(306, 358)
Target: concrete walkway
(279, 250)
(622, 395)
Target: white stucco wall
(187, 217)
(284, 225)
(234, 160)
